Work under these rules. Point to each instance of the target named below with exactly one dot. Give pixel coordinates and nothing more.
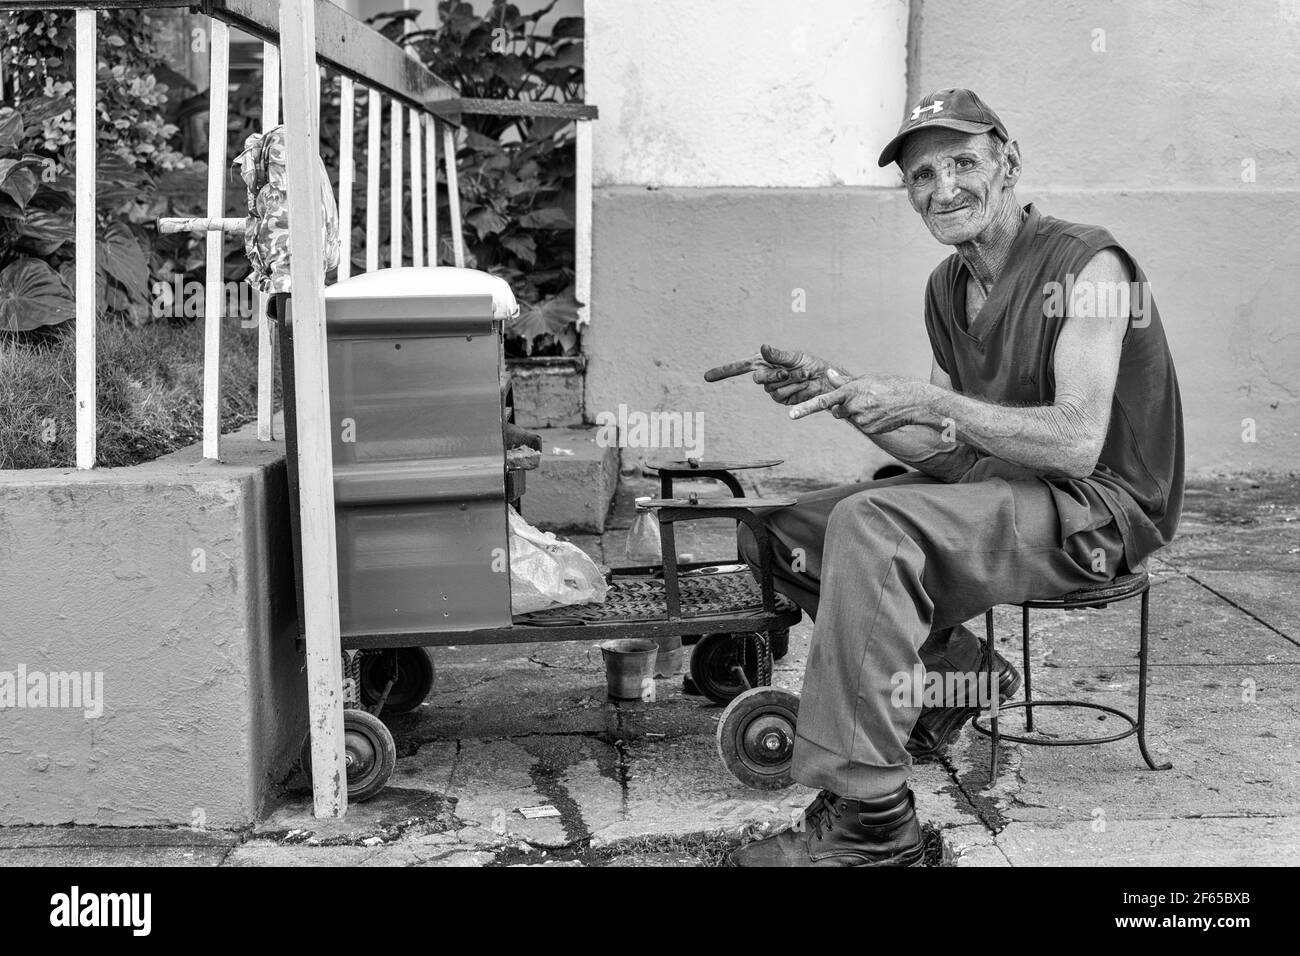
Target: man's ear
(1011, 161)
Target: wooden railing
(301, 39)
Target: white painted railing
(301, 39)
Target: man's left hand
(874, 404)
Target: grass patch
(150, 391)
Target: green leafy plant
(516, 174)
(140, 175)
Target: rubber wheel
(756, 737)
(414, 679)
(369, 751)
(713, 666)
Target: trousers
(889, 571)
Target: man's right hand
(789, 377)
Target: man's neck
(986, 255)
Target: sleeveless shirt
(1005, 355)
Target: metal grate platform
(641, 598)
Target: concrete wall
(1147, 138)
(1181, 94)
(744, 92)
(173, 580)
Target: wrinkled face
(957, 181)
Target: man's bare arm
(934, 452)
(1064, 438)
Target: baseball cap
(952, 109)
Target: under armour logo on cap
(955, 109)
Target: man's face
(957, 181)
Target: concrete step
(572, 488)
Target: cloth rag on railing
(266, 241)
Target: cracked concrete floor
(640, 783)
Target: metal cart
(422, 482)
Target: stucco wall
(1184, 91)
(173, 581)
(744, 92)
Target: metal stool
(1119, 589)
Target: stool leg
(993, 721)
(1029, 684)
(1142, 690)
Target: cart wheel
(756, 737)
(780, 641)
(411, 684)
(714, 661)
(369, 751)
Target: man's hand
(788, 377)
(874, 404)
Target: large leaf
(68, 272)
(477, 141)
(41, 108)
(522, 246)
(120, 256)
(568, 27)
(552, 217)
(568, 56)
(43, 231)
(550, 317)
(486, 222)
(117, 181)
(18, 181)
(32, 295)
(544, 127)
(11, 128)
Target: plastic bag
(545, 571)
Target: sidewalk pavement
(641, 783)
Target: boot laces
(822, 812)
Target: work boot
(938, 727)
(835, 831)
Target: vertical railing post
(431, 196)
(346, 173)
(214, 290)
(311, 393)
(453, 194)
(582, 222)
(87, 117)
(417, 194)
(265, 328)
(373, 140)
(395, 184)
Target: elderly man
(1048, 445)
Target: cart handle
(672, 510)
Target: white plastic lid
(408, 282)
